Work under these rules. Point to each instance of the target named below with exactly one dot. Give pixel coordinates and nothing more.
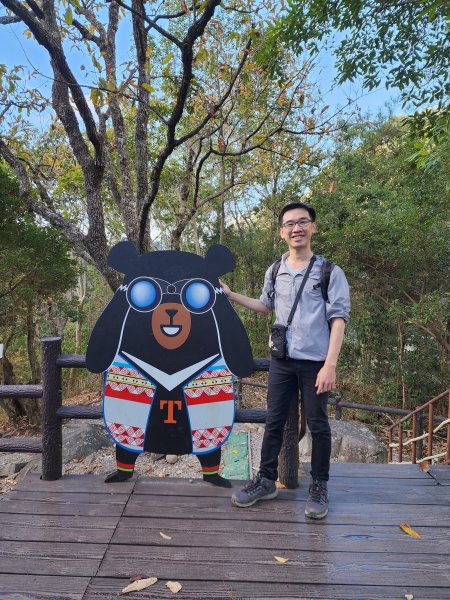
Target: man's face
(297, 228)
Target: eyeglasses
(144, 294)
(300, 222)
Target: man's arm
(326, 377)
(245, 301)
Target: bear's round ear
(220, 259)
(123, 256)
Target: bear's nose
(171, 313)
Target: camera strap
(299, 293)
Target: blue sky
(15, 48)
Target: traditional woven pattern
(210, 391)
(209, 438)
(132, 436)
(215, 373)
(131, 383)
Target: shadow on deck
(78, 538)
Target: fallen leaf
(281, 560)
(164, 536)
(425, 465)
(140, 584)
(407, 529)
(409, 597)
(136, 578)
(174, 586)
(280, 485)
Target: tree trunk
(289, 457)
(11, 406)
(31, 346)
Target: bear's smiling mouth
(171, 330)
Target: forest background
(181, 125)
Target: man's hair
(293, 206)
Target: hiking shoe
(317, 503)
(260, 488)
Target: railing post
(420, 419)
(289, 458)
(51, 397)
(414, 434)
(430, 430)
(400, 443)
(338, 408)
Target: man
(314, 341)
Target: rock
(81, 438)
(171, 459)
(15, 462)
(350, 442)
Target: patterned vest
(209, 398)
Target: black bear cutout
(169, 343)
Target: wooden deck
(81, 539)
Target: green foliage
(35, 267)
(382, 221)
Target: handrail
(418, 415)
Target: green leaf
(68, 17)
(148, 87)
(168, 58)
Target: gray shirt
(308, 336)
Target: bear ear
(123, 256)
(220, 259)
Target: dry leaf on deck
(281, 560)
(136, 578)
(409, 597)
(140, 584)
(425, 465)
(407, 529)
(280, 485)
(164, 536)
(174, 586)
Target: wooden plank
(391, 492)
(61, 508)
(50, 558)
(230, 564)
(43, 528)
(197, 487)
(69, 497)
(105, 589)
(42, 587)
(74, 483)
(440, 474)
(340, 512)
(278, 536)
(373, 470)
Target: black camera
(277, 341)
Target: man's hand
(225, 288)
(326, 379)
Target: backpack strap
(275, 269)
(325, 274)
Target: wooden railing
(50, 444)
(417, 418)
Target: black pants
(286, 378)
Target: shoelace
(251, 487)
(318, 493)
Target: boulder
(350, 442)
(81, 438)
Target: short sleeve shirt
(308, 336)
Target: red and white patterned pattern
(210, 391)
(209, 438)
(216, 373)
(132, 436)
